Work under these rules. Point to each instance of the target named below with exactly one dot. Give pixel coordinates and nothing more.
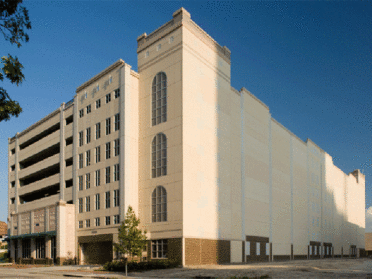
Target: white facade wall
(233, 172)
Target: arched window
(159, 99)
(159, 204)
(159, 155)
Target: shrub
(4, 257)
(69, 260)
(139, 266)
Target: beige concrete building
(213, 177)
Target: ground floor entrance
(96, 253)
(95, 249)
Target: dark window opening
(69, 162)
(68, 183)
(13, 184)
(36, 195)
(12, 167)
(42, 155)
(36, 176)
(69, 119)
(13, 151)
(69, 141)
(40, 136)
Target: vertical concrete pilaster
(33, 248)
(19, 247)
(16, 173)
(46, 219)
(32, 223)
(291, 182)
(12, 247)
(48, 247)
(9, 187)
(74, 167)
(242, 169)
(19, 227)
(122, 142)
(271, 191)
(62, 144)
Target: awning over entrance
(32, 235)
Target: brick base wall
(206, 251)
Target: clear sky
(310, 62)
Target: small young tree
(132, 241)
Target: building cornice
(181, 17)
(118, 63)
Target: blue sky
(310, 62)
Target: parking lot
(326, 268)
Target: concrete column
(9, 187)
(46, 219)
(242, 177)
(19, 247)
(74, 167)
(62, 143)
(48, 247)
(32, 223)
(16, 173)
(33, 248)
(12, 247)
(19, 227)
(122, 111)
(128, 138)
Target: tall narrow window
(116, 219)
(98, 154)
(116, 198)
(87, 181)
(87, 223)
(26, 248)
(81, 138)
(98, 177)
(116, 172)
(98, 204)
(87, 158)
(97, 220)
(98, 130)
(159, 204)
(108, 126)
(108, 98)
(117, 121)
(108, 197)
(108, 150)
(80, 183)
(81, 113)
(98, 103)
(117, 147)
(117, 93)
(81, 161)
(89, 109)
(88, 135)
(159, 155)
(108, 219)
(87, 204)
(40, 248)
(108, 175)
(159, 99)
(80, 205)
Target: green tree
(14, 20)
(132, 241)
